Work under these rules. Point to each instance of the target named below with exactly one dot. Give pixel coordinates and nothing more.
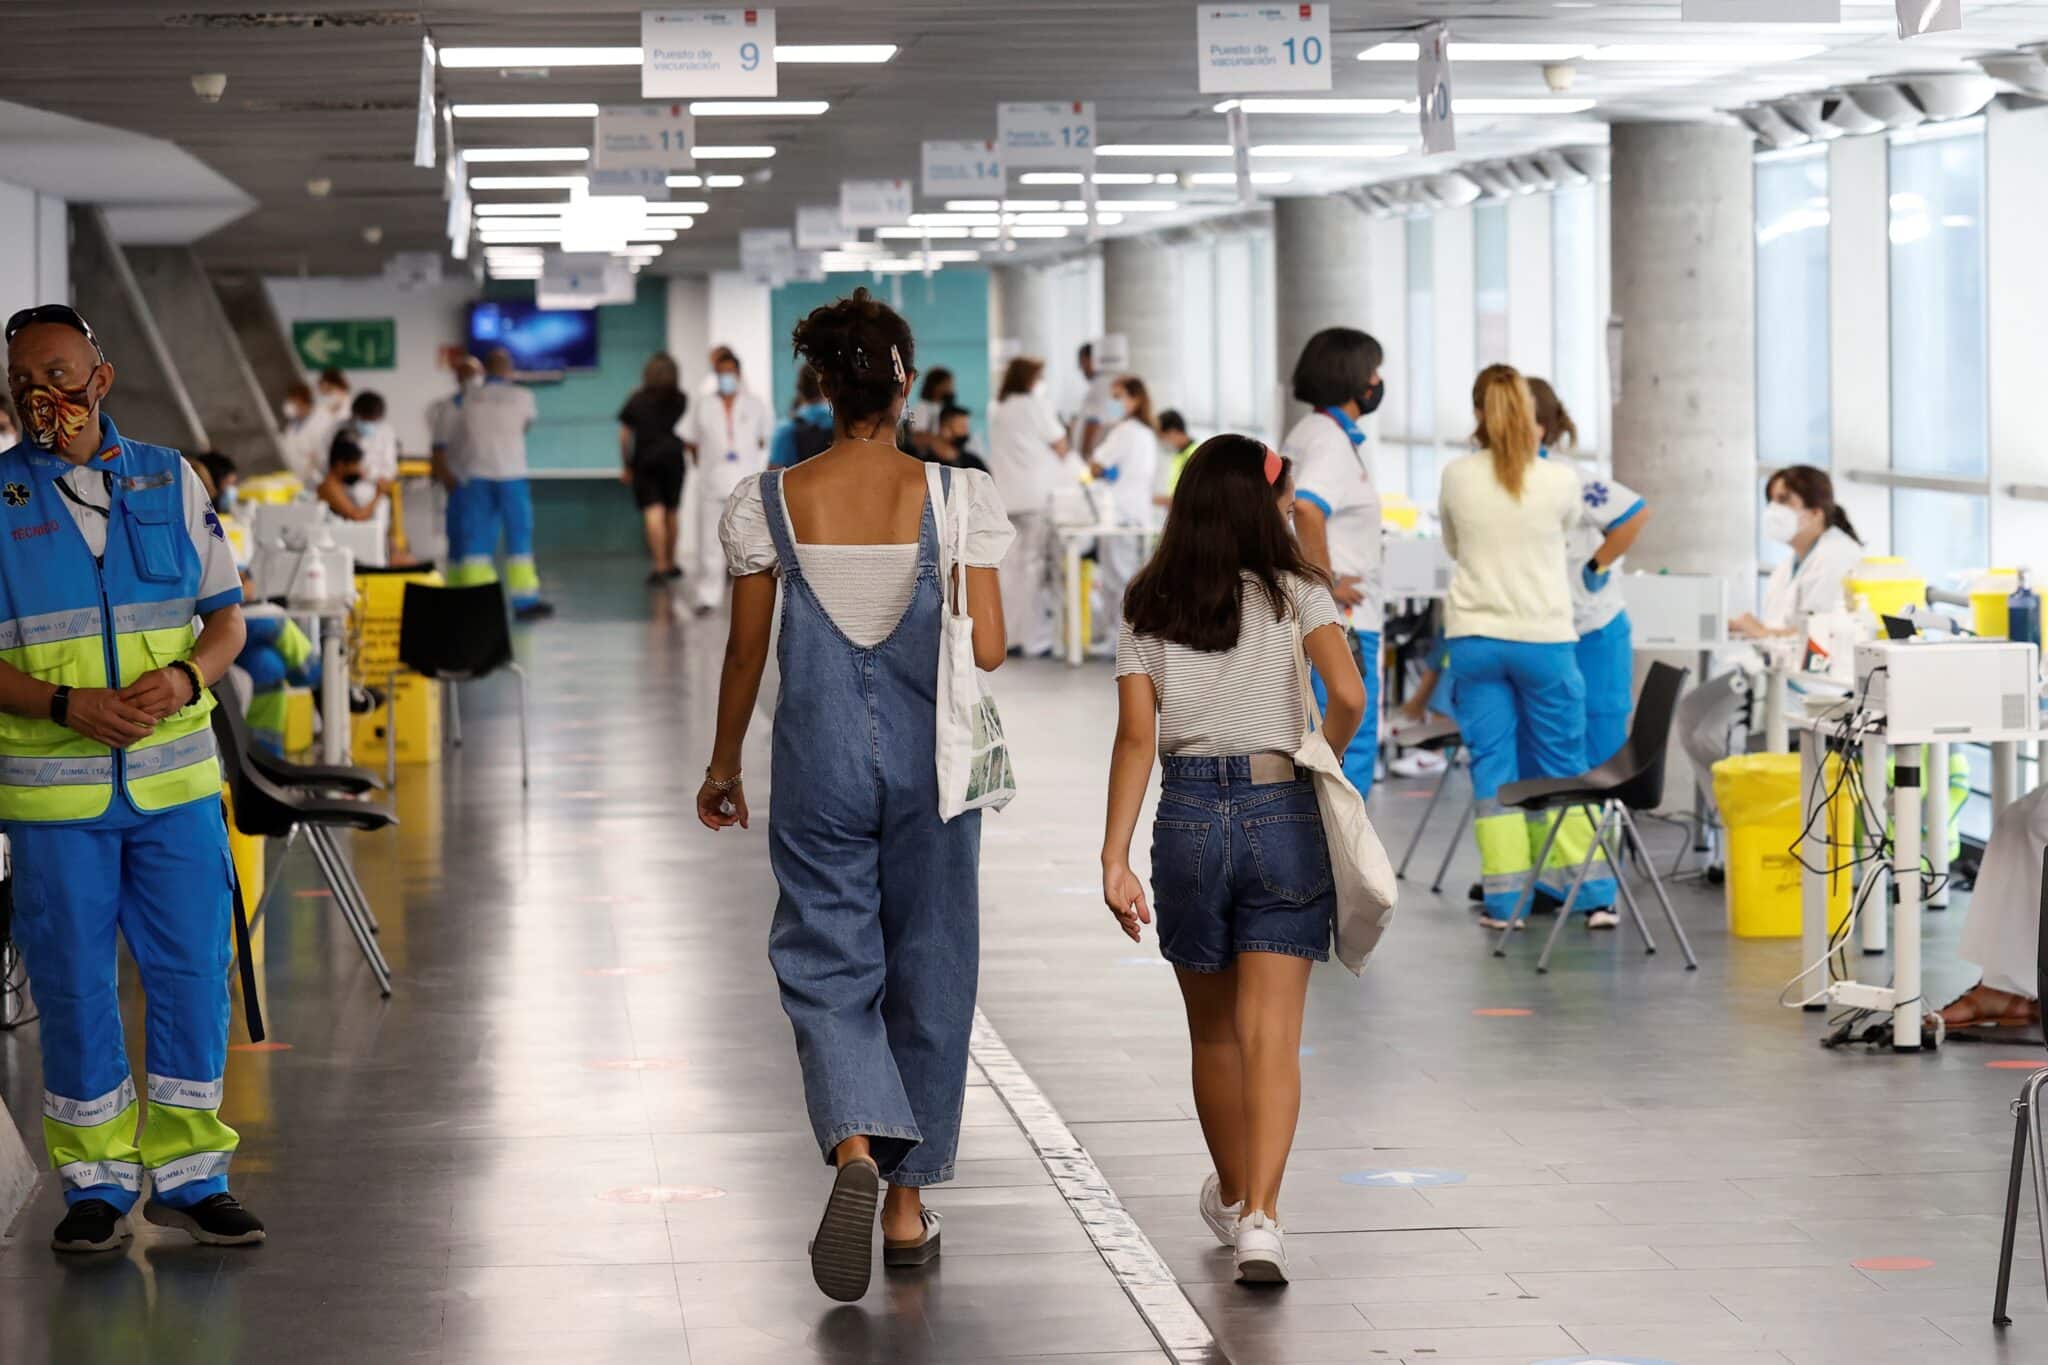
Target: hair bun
(862, 351)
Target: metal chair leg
(1500, 949)
(454, 712)
(2021, 1112)
(1628, 824)
(2032, 1096)
(1436, 888)
(367, 945)
(1415, 841)
(270, 883)
(1635, 909)
(355, 884)
(1571, 898)
(525, 779)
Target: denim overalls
(877, 936)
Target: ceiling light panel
(501, 58)
(1482, 52)
(474, 155)
(758, 108)
(524, 110)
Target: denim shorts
(1238, 867)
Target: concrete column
(1138, 303)
(1685, 290)
(1019, 312)
(1320, 279)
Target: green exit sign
(347, 344)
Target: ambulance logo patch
(17, 495)
(1597, 494)
(213, 525)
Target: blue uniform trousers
(1361, 756)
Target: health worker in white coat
(1128, 458)
(1801, 512)
(727, 436)
(1027, 454)
(1337, 508)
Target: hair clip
(1275, 466)
(896, 359)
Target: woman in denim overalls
(875, 941)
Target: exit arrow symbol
(321, 346)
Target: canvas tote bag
(973, 759)
(1366, 890)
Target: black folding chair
(2027, 1136)
(1631, 781)
(267, 809)
(1445, 731)
(453, 636)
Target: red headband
(1275, 466)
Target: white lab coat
(731, 443)
(2001, 931)
(1814, 584)
(1130, 452)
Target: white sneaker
(1221, 1217)
(1417, 763)
(1261, 1250)
(1602, 919)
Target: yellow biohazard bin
(1760, 803)
(380, 602)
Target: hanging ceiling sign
(700, 53)
(1433, 86)
(767, 255)
(1243, 48)
(874, 203)
(649, 185)
(1929, 16)
(582, 280)
(1761, 11)
(963, 169)
(423, 130)
(646, 137)
(820, 228)
(1033, 135)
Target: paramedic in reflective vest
(490, 493)
(110, 789)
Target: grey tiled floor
(1654, 1164)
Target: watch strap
(60, 705)
(191, 672)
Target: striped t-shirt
(1243, 700)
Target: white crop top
(864, 588)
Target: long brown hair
(1507, 424)
(1135, 387)
(1559, 430)
(659, 374)
(1816, 490)
(1021, 376)
(1225, 522)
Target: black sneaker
(1476, 893)
(90, 1225)
(673, 574)
(533, 611)
(220, 1221)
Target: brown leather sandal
(1972, 1010)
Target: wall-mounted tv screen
(538, 338)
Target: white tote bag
(1366, 890)
(973, 759)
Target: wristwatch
(60, 705)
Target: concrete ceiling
(328, 91)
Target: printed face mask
(53, 416)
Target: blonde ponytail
(1507, 424)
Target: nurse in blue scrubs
(1613, 517)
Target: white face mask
(728, 383)
(1781, 523)
(294, 411)
(1038, 390)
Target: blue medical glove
(1594, 579)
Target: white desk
(1071, 539)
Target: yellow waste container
(1761, 804)
(380, 602)
(1888, 585)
